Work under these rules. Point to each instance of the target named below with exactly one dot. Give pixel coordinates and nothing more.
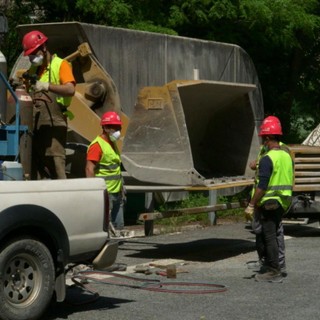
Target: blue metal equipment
(10, 134)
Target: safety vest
(109, 166)
(263, 152)
(52, 75)
(281, 180)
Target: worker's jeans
(270, 224)
(257, 228)
(116, 210)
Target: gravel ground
(218, 255)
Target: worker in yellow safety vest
(51, 85)
(272, 195)
(103, 160)
(256, 220)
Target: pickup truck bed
(45, 225)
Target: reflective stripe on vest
(281, 180)
(109, 166)
(108, 178)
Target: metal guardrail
(186, 211)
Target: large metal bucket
(191, 132)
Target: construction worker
(52, 87)
(256, 224)
(103, 160)
(271, 197)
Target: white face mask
(36, 60)
(114, 136)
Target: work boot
(256, 265)
(271, 275)
(283, 270)
(264, 268)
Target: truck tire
(27, 278)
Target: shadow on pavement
(204, 250)
(298, 231)
(77, 301)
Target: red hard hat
(270, 126)
(32, 41)
(110, 117)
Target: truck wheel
(27, 279)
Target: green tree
(281, 36)
(11, 44)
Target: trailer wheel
(27, 279)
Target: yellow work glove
(249, 210)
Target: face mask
(36, 60)
(114, 136)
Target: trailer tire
(27, 278)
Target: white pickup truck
(44, 226)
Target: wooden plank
(307, 173)
(221, 185)
(308, 152)
(228, 183)
(307, 166)
(307, 160)
(304, 149)
(306, 187)
(307, 180)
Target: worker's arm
(258, 194)
(253, 165)
(66, 88)
(90, 168)
(94, 155)
(265, 172)
(63, 90)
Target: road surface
(216, 255)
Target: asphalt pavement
(215, 255)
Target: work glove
(41, 86)
(124, 193)
(249, 210)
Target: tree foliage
(281, 36)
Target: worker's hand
(249, 211)
(253, 165)
(124, 193)
(41, 86)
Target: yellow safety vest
(52, 75)
(109, 166)
(263, 152)
(281, 180)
